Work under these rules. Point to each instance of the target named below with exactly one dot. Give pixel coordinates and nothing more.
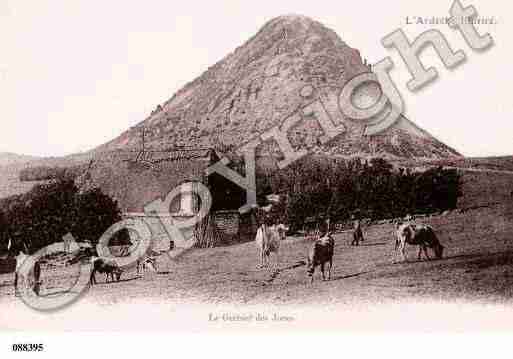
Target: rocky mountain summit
(291, 62)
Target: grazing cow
(145, 263)
(34, 275)
(418, 234)
(268, 240)
(320, 253)
(107, 266)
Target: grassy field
(477, 266)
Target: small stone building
(136, 179)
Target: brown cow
(418, 234)
(320, 253)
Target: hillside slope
(9, 158)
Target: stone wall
(232, 226)
(228, 225)
(235, 227)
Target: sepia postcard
(235, 167)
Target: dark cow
(107, 266)
(421, 235)
(320, 253)
(357, 233)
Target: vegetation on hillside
(339, 189)
(49, 211)
(332, 188)
(43, 173)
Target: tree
(336, 189)
(49, 211)
(4, 237)
(94, 213)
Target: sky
(75, 74)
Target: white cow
(268, 240)
(147, 262)
(34, 276)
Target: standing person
(357, 232)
